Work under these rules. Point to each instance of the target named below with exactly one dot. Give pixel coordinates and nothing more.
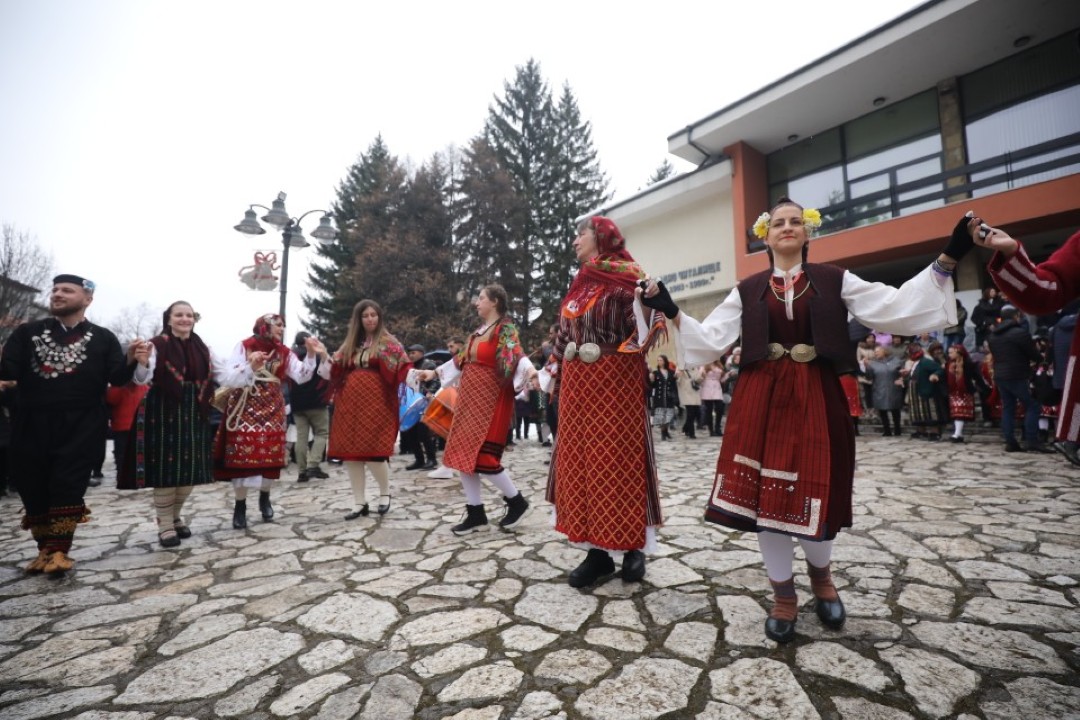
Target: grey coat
(886, 394)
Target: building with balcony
(956, 105)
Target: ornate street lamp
(292, 236)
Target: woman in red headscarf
(249, 448)
(602, 479)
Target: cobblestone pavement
(961, 578)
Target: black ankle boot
(475, 519)
(597, 564)
(633, 566)
(517, 508)
(239, 514)
(265, 507)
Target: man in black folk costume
(62, 366)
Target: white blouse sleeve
(703, 342)
(448, 373)
(234, 371)
(301, 371)
(925, 302)
(323, 370)
(522, 372)
(143, 375)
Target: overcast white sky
(134, 133)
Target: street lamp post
(291, 234)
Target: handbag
(221, 398)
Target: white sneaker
(441, 473)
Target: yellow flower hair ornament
(811, 221)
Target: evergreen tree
(578, 186)
(519, 130)
(491, 220)
(661, 173)
(546, 149)
(368, 203)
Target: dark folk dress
(171, 440)
(788, 458)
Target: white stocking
(503, 482)
(471, 485)
(779, 554)
(818, 553)
(358, 480)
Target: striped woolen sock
(785, 601)
(821, 582)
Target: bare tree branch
(140, 321)
(25, 271)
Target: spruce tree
(546, 149)
(519, 130)
(578, 187)
(368, 204)
(491, 220)
(661, 173)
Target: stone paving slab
(961, 578)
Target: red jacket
(1040, 290)
(123, 401)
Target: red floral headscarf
(612, 267)
(262, 339)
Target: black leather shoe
(265, 507)
(830, 612)
(182, 531)
(430, 465)
(94, 481)
(169, 541)
(633, 566)
(317, 473)
(383, 509)
(597, 564)
(364, 511)
(239, 514)
(781, 631)
(302, 477)
(415, 465)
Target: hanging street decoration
(260, 276)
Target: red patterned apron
(364, 424)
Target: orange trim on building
(749, 196)
(1044, 206)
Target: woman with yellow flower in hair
(788, 458)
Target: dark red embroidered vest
(828, 316)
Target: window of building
(855, 165)
(1022, 116)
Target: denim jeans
(1011, 391)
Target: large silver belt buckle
(570, 352)
(589, 352)
(776, 351)
(802, 353)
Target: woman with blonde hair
(365, 375)
(787, 463)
